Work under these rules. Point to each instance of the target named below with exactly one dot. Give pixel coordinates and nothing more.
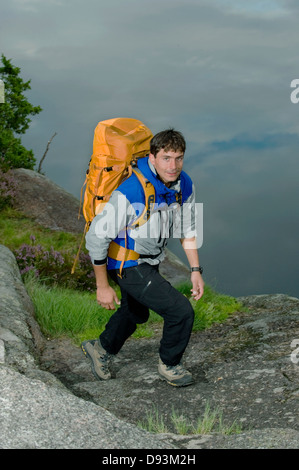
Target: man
(142, 287)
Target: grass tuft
(210, 421)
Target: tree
(15, 115)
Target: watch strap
(198, 269)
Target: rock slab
(36, 410)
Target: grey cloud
(220, 71)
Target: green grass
(77, 315)
(213, 308)
(210, 421)
(67, 312)
(153, 422)
(16, 229)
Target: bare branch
(44, 155)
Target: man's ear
(152, 159)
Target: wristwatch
(197, 268)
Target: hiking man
(142, 287)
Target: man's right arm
(104, 228)
(106, 295)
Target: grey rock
(46, 202)
(36, 416)
(37, 410)
(2, 352)
(243, 367)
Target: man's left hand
(197, 290)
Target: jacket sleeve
(106, 226)
(189, 217)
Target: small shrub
(54, 267)
(8, 187)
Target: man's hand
(189, 245)
(197, 285)
(106, 297)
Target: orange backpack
(117, 145)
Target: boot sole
(176, 384)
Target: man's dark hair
(168, 140)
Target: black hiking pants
(143, 288)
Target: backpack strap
(121, 253)
(80, 246)
(149, 194)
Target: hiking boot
(175, 375)
(99, 358)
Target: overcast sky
(220, 71)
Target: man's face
(168, 164)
